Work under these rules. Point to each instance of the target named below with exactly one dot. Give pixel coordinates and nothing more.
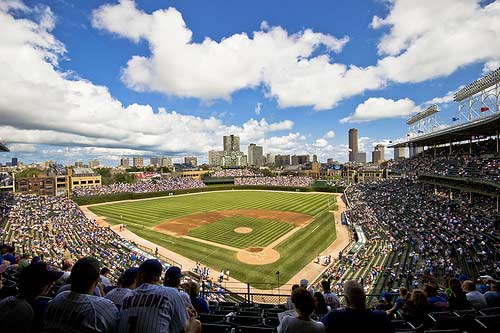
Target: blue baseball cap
(151, 267)
(128, 277)
(173, 272)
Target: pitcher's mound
(258, 256)
(243, 230)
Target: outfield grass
(263, 232)
(301, 248)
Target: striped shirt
(117, 295)
(152, 308)
(74, 313)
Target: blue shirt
(354, 321)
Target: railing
(260, 298)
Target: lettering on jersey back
(150, 301)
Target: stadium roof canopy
(487, 126)
(3, 147)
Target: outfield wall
(90, 200)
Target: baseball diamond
(203, 226)
(222, 231)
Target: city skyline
(88, 85)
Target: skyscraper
(300, 159)
(282, 160)
(191, 160)
(138, 162)
(215, 157)
(361, 158)
(353, 144)
(376, 156)
(154, 161)
(381, 149)
(231, 143)
(166, 162)
(94, 163)
(125, 162)
(255, 155)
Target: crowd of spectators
(54, 229)
(145, 186)
(235, 173)
(442, 235)
(478, 161)
(287, 181)
(337, 182)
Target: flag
(454, 119)
(484, 108)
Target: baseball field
(252, 234)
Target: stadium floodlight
(433, 109)
(478, 86)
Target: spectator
(79, 310)
(475, 298)
(331, 298)
(199, 304)
(385, 303)
(304, 306)
(400, 301)
(289, 304)
(321, 309)
(24, 312)
(66, 268)
(493, 296)
(104, 277)
(457, 298)
(173, 277)
(356, 317)
(437, 302)
(127, 282)
(416, 308)
(154, 308)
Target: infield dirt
(180, 226)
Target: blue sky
(105, 79)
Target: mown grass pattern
(301, 248)
(263, 232)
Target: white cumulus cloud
(329, 135)
(380, 108)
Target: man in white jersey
(78, 310)
(331, 299)
(153, 308)
(172, 279)
(126, 284)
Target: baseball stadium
(210, 238)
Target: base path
(308, 272)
